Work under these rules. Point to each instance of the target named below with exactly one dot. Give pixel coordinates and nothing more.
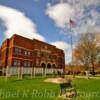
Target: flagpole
(71, 47)
(71, 37)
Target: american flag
(72, 23)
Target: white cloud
(61, 45)
(16, 22)
(84, 2)
(83, 12)
(60, 13)
(80, 3)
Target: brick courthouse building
(20, 54)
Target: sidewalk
(91, 77)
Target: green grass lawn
(37, 89)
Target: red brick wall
(38, 52)
(4, 53)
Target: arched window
(54, 66)
(43, 65)
(48, 65)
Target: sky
(49, 20)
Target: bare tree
(87, 50)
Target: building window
(17, 51)
(25, 52)
(29, 53)
(27, 64)
(17, 63)
(38, 53)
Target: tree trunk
(93, 72)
